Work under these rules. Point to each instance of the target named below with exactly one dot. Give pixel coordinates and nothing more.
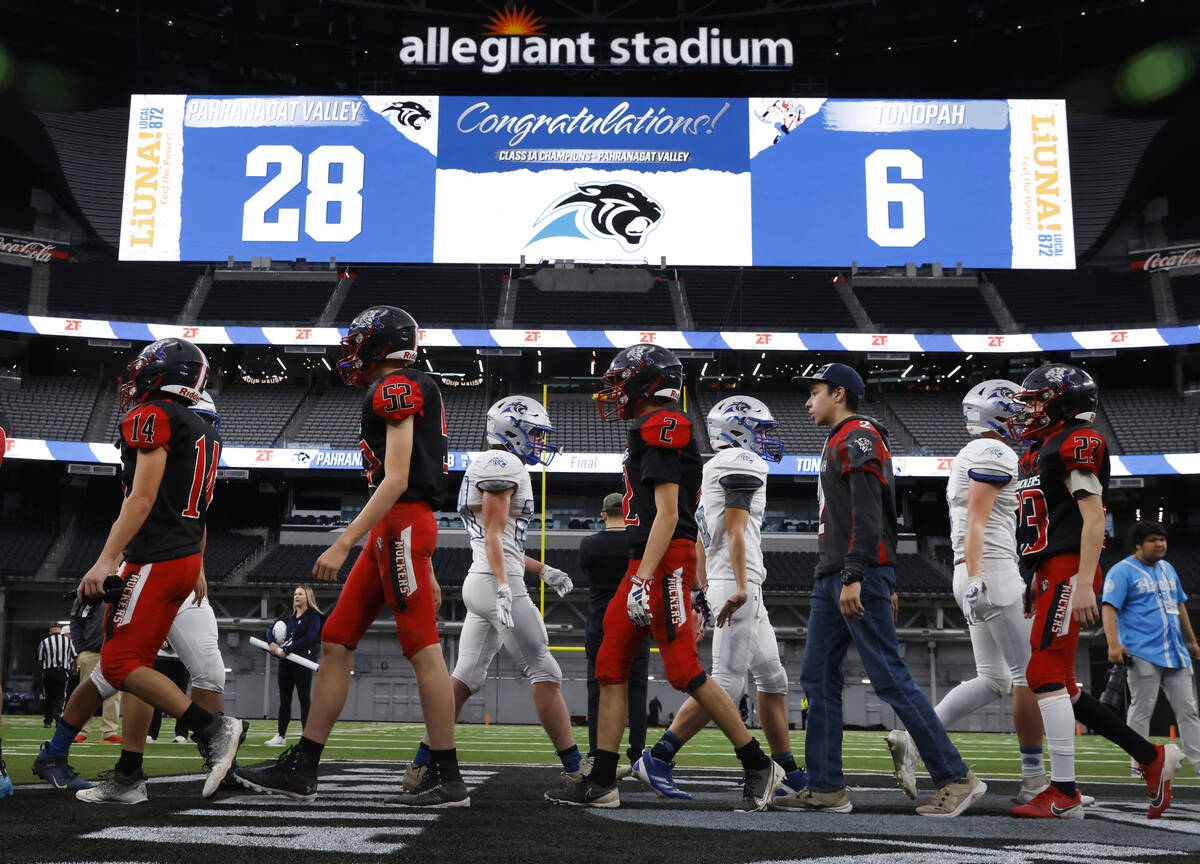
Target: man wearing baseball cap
(603, 559)
(854, 599)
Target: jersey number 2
(665, 431)
(203, 477)
(1035, 515)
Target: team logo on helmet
(602, 211)
(738, 407)
(1057, 375)
(414, 115)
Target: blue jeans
(822, 677)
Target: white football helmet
(207, 408)
(522, 426)
(743, 421)
(988, 405)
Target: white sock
(1059, 722)
(965, 699)
(1032, 764)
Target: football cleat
(55, 770)
(276, 741)
(953, 798)
(220, 751)
(434, 792)
(759, 788)
(1158, 775)
(585, 793)
(414, 776)
(904, 761)
(1032, 787)
(793, 784)
(293, 775)
(1050, 804)
(655, 773)
(116, 788)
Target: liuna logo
(411, 114)
(604, 211)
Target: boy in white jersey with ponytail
(982, 494)
(495, 503)
(733, 498)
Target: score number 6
(881, 193)
(321, 193)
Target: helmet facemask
(1031, 421)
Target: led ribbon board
(698, 181)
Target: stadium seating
(934, 419)
(772, 299)
(291, 564)
(435, 296)
(225, 552)
(23, 546)
(141, 291)
(334, 418)
(277, 300)
(589, 310)
(466, 413)
(1090, 298)
(256, 413)
(578, 427)
(931, 307)
(82, 554)
(56, 408)
(1174, 426)
(14, 288)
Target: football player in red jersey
(6, 786)
(169, 460)
(1060, 533)
(404, 455)
(662, 469)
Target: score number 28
(322, 192)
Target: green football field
(989, 754)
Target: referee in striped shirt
(57, 656)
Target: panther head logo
(516, 407)
(411, 114)
(738, 408)
(616, 211)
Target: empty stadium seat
(444, 296)
(23, 547)
(133, 290)
(775, 299)
(56, 408)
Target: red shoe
(1159, 775)
(113, 739)
(81, 738)
(1050, 804)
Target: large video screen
(732, 182)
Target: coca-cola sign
(31, 248)
(1168, 259)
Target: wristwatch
(849, 577)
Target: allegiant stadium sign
(495, 54)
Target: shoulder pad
(146, 427)
(397, 396)
(1082, 450)
(496, 467)
(667, 429)
(735, 460)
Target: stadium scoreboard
(697, 181)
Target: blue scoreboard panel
(699, 181)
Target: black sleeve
(661, 465)
(738, 499)
(866, 517)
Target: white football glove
(971, 598)
(558, 581)
(504, 606)
(637, 604)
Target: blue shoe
(6, 787)
(55, 770)
(656, 774)
(793, 784)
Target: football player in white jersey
(733, 497)
(982, 494)
(495, 503)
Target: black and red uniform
(3, 436)
(394, 566)
(162, 561)
(1048, 536)
(660, 449)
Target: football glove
(700, 604)
(114, 587)
(971, 598)
(557, 580)
(637, 604)
(504, 606)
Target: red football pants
(136, 626)
(393, 568)
(670, 623)
(1055, 634)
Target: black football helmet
(171, 365)
(378, 333)
(1049, 398)
(634, 375)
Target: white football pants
(745, 646)
(193, 637)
